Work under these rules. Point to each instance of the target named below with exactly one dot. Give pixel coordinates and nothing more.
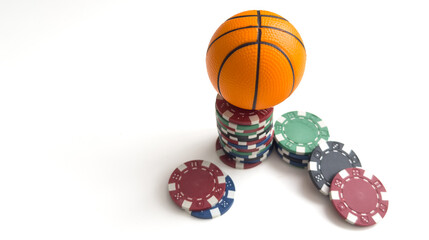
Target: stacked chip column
(296, 134)
(245, 136)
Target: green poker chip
(258, 132)
(299, 132)
(243, 127)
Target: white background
(101, 100)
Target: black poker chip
(327, 159)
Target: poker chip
(236, 153)
(300, 161)
(249, 145)
(289, 161)
(250, 129)
(222, 206)
(327, 159)
(242, 132)
(245, 138)
(241, 153)
(242, 127)
(279, 151)
(292, 155)
(295, 164)
(226, 159)
(300, 132)
(242, 143)
(245, 151)
(240, 116)
(359, 197)
(196, 185)
(253, 159)
(253, 149)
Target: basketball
(256, 59)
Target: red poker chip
(242, 143)
(227, 160)
(233, 130)
(197, 185)
(359, 197)
(240, 116)
(252, 149)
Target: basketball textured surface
(256, 59)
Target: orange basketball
(256, 59)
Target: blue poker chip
(291, 162)
(295, 164)
(292, 155)
(222, 206)
(300, 161)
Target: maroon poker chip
(359, 197)
(234, 131)
(197, 185)
(227, 139)
(226, 159)
(240, 116)
(251, 148)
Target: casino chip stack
(357, 195)
(296, 135)
(245, 136)
(301, 138)
(202, 189)
(335, 169)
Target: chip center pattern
(331, 163)
(301, 130)
(360, 195)
(197, 183)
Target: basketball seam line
(290, 63)
(287, 32)
(258, 59)
(226, 58)
(230, 31)
(252, 43)
(272, 16)
(269, 27)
